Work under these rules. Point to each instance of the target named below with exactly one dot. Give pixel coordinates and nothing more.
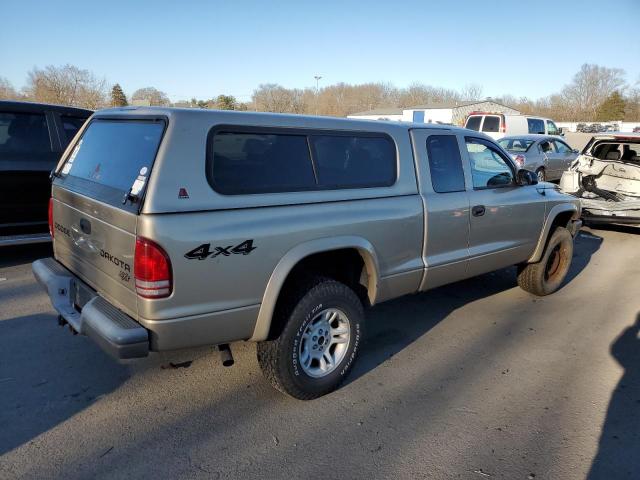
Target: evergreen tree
(118, 98)
(612, 108)
(226, 102)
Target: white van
(498, 125)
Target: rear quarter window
(445, 164)
(24, 133)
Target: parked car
(32, 138)
(547, 156)
(596, 128)
(580, 127)
(606, 177)
(177, 227)
(636, 129)
(498, 125)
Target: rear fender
(298, 253)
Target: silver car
(176, 228)
(548, 156)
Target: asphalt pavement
(475, 380)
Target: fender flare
(298, 253)
(551, 216)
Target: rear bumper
(114, 331)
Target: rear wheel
(321, 337)
(541, 174)
(547, 275)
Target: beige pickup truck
(176, 228)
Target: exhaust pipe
(225, 355)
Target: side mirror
(526, 177)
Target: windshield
(516, 144)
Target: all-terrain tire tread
(268, 351)
(530, 275)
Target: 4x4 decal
(203, 251)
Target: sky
(205, 48)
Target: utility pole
(317, 77)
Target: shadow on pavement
(47, 376)
(422, 312)
(630, 229)
(619, 447)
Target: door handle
(478, 210)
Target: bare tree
(66, 85)
(7, 92)
(151, 95)
(590, 87)
(471, 91)
(271, 97)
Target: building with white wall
(450, 112)
(379, 114)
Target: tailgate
(96, 242)
(97, 194)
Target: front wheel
(322, 334)
(546, 276)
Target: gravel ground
(577, 140)
(473, 380)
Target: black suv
(32, 138)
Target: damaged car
(606, 178)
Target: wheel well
(344, 265)
(561, 220)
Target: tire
(292, 362)
(541, 174)
(546, 276)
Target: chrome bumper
(89, 314)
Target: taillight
(519, 159)
(51, 216)
(151, 269)
(503, 123)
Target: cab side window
(489, 168)
(445, 164)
